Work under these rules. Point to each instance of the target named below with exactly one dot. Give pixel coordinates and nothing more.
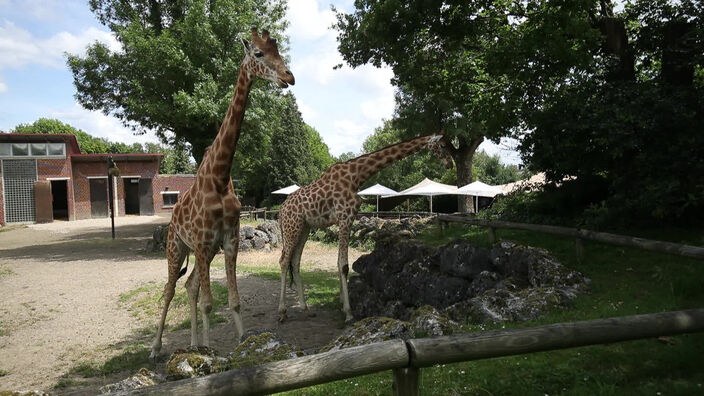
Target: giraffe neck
(218, 159)
(371, 163)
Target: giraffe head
(438, 146)
(262, 59)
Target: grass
(3, 373)
(624, 282)
(322, 288)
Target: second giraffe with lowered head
(332, 199)
(207, 216)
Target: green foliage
(177, 66)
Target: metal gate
(19, 177)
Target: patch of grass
(322, 288)
(132, 358)
(624, 282)
(145, 302)
(3, 373)
(68, 383)
(5, 271)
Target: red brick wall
(179, 183)
(57, 168)
(82, 170)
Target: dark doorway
(99, 197)
(146, 200)
(131, 196)
(59, 195)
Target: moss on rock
(194, 362)
(261, 348)
(370, 330)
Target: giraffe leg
(296, 267)
(343, 268)
(203, 257)
(231, 246)
(192, 288)
(291, 236)
(176, 252)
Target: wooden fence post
(579, 249)
(264, 214)
(492, 235)
(406, 381)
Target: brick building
(45, 177)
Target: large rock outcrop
(469, 283)
(367, 230)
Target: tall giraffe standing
(207, 215)
(332, 199)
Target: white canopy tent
(430, 189)
(286, 190)
(378, 190)
(478, 189)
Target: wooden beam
(290, 374)
(449, 349)
(603, 237)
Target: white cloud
(3, 87)
(98, 124)
(18, 47)
(347, 136)
(308, 20)
(307, 112)
(506, 150)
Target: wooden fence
(580, 236)
(270, 214)
(406, 358)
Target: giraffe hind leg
(295, 265)
(176, 252)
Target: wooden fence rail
(581, 235)
(406, 358)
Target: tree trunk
(463, 164)
(677, 54)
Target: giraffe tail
(185, 269)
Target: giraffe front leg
(284, 263)
(231, 246)
(203, 258)
(343, 269)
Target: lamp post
(113, 171)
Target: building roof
(126, 157)
(69, 139)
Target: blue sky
(344, 105)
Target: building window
(57, 149)
(20, 149)
(38, 149)
(170, 198)
(32, 150)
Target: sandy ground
(61, 282)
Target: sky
(343, 105)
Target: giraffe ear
(247, 48)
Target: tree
(177, 66)
(630, 117)
(439, 52)
(290, 150)
(87, 143)
(320, 159)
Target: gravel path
(61, 282)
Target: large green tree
(177, 65)
(439, 52)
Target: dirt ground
(61, 282)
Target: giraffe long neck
(369, 164)
(218, 159)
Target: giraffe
(206, 217)
(332, 199)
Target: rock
(258, 243)
(245, 245)
(261, 234)
(144, 377)
(508, 283)
(247, 232)
(427, 320)
(370, 330)
(259, 347)
(194, 362)
(158, 241)
(24, 393)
